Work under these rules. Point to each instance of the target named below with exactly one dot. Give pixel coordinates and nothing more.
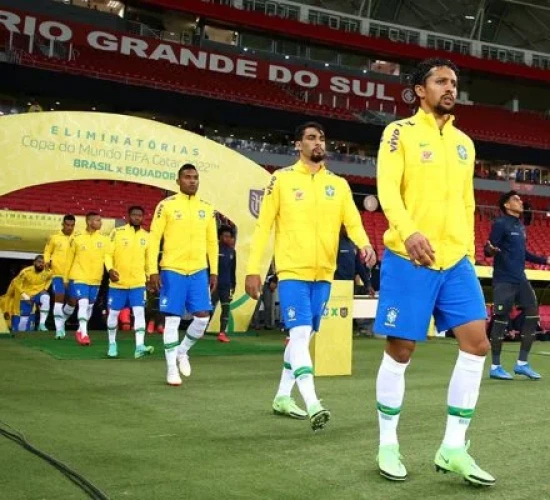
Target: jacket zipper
(316, 225)
(440, 245)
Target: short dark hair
(39, 256)
(424, 68)
(91, 214)
(136, 207)
(225, 229)
(69, 217)
(504, 199)
(300, 129)
(187, 166)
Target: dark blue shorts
(181, 293)
(410, 295)
(119, 298)
(303, 303)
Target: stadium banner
(107, 42)
(43, 148)
(331, 347)
(29, 231)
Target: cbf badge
(202, 214)
(462, 152)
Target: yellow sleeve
(109, 254)
(70, 258)
(470, 207)
(352, 220)
(157, 231)
(268, 213)
(212, 247)
(390, 168)
(48, 282)
(48, 250)
(19, 282)
(147, 250)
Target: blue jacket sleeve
(361, 270)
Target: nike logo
(424, 144)
(446, 460)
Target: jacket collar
(301, 167)
(189, 197)
(429, 119)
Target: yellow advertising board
(28, 231)
(331, 347)
(41, 148)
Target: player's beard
(317, 157)
(441, 110)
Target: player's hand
(492, 249)
(371, 291)
(420, 250)
(368, 256)
(48, 266)
(114, 276)
(24, 296)
(154, 283)
(213, 282)
(253, 286)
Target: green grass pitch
(119, 425)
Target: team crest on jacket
(329, 191)
(202, 214)
(462, 152)
(255, 197)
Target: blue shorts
(410, 295)
(303, 303)
(180, 293)
(25, 306)
(58, 286)
(82, 291)
(119, 298)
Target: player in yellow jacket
(86, 265)
(126, 263)
(56, 255)
(425, 185)
(31, 285)
(187, 226)
(308, 205)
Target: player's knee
(478, 346)
(400, 350)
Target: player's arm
(536, 259)
(354, 227)
(212, 246)
(110, 257)
(19, 283)
(234, 272)
(268, 212)
(498, 231)
(158, 225)
(48, 282)
(48, 251)
(70, 258)
(390, 169)
(470, 207)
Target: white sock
(494, 367)
(171, 338)
(301, 363)
(462, 397)
(194, 333)
(287, 376)
(390, 392)
(139, 324)
(23, 323)
(68, 311)
(522, 363)
(58, 317)
(112, 323)
(89, 311)
(44, 308)
(83, 316)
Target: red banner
(381, 48)
(47, 29)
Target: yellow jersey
(32, 283)
(188, 226)
(87, 257)
(425, 184)
(56, 253)
(308, 211)
(127, 255)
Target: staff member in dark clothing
(227, 265)
(510, 286)
(349, 264)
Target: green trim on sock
(140, 330)
(171, 345)
(59, 317)
(303, 370)
(460, 412)
(82, 319)
(196, 339)
(287, 366)
(387, 410)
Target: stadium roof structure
(516, 23)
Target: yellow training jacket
(188, 225)
(87, 257)
(308, 211)
(127, 255)
(56, 253)
(425, 184)
(30, 282)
